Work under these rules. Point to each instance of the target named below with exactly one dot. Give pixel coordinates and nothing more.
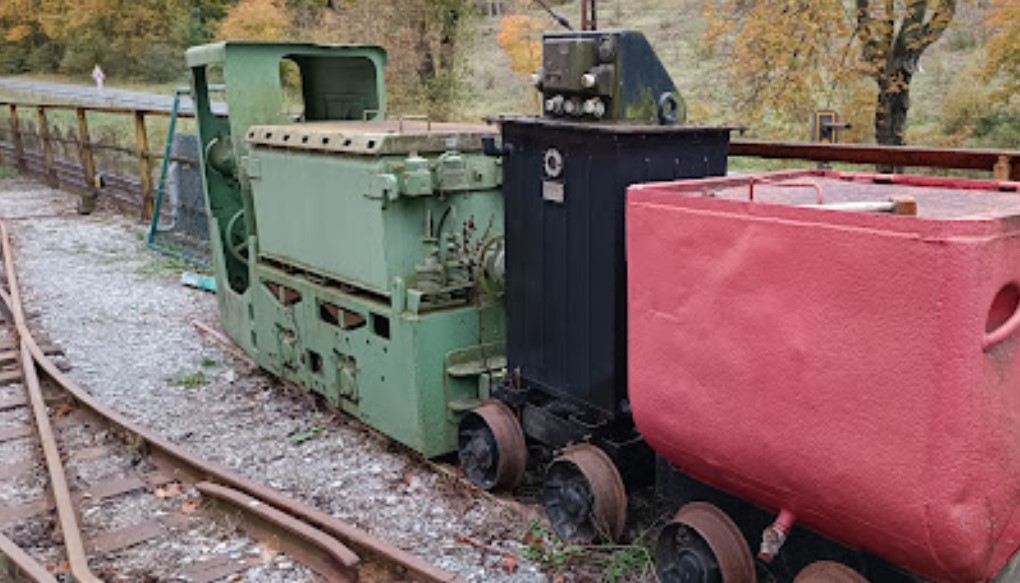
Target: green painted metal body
(349, 250)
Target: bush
(971, 118)
(12, 58)
(83, 54)
(999, 128)
(44, 59)
(162, 63)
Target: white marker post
(99, 76)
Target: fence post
(19, 148)
(144, 165)
(47, 146)
(87, 204)
(1007, 169)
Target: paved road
(46, 91)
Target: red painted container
(858, 369)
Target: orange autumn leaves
(1004, 47)
(520, 37)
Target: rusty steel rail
(1003, 164)
(334, 549)
(61, 491)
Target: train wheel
(702, 545)
(829, 572)
(584, 497)
(491, 446)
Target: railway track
(88, 496)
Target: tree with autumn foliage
(892, 40)
(263, 20)
(1004, 48)
(127, 37)
(520, 37)
(422, 38)
(789, 56)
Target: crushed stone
(125, 325)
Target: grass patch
(7, 172)
(192, 381)
(162, 266)
(189, 258)
(209, 362)
(610, 563)
(299, 437)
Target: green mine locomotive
(357, 256)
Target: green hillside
(948, 106)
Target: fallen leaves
(171, 490)
(509, 561)
(509, 564)
(58, 568)
(267, 554)
(190, 506)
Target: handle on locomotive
(1009, 327)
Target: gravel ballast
(126, 326)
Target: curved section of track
(332, 549)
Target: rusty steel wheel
(702, 545)
(491, 446)
(584, 497)
(829, 572)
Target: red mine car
(841, 352)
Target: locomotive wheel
(491, 446)
(584, 497)
(702, 545)
(829, 572)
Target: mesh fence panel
(183, 227)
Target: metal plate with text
(552, 191)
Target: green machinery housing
(357, 256)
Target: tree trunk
(427, 62)
(891, 112)
(894, 52)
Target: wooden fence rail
(78, 162)
(1003, 165)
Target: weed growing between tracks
(610, 563)
(192, 381)
(7, 172)
(299, 437)
(163, 266)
